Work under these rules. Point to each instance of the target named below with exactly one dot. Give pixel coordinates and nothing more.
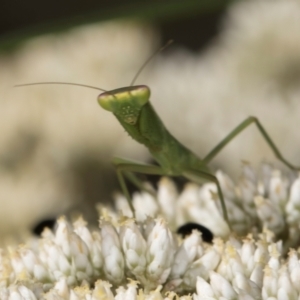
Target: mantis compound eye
(126, 102)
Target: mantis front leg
(125, 168)
(238, 130)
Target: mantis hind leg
(238, 130)
(126, 168)
(196, 175)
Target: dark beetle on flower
(187, 229)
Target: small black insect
(38, 228)
(187, 229)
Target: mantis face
(126, 102)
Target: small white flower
(53, 257)
(160, 253)
(62, 289)
(134, 247)
(221, 287)
(127, 294)
(278, 189)
(248, 190)
(102, 291)
(145, 206)
(167, 198)
(242, 283)
(286, 289)
(112, 255)
(21, 293)
(189, 251)
(80, 228)
(202, 267)
(63, 235)
(293, 205)
(247, 254)
(231, 262)
(269, 214)
(204, 289)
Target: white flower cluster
(75, 262)
(271, 201)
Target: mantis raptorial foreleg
(126, 168)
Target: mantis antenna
(148, 60)
(99, 89)
(66, 83)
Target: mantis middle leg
(195, 176)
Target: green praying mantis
(132, 107)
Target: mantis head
(126, 103)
